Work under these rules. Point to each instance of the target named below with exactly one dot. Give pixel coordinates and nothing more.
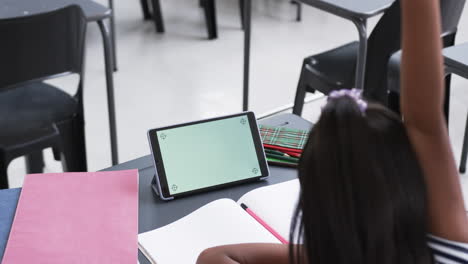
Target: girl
(376, 189)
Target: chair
(152, 9)
(464, 150)
(35, 115)
(393, 78)
(384, 41)
(451, 11)
(336, 69)
(456, 62)
(209, 7)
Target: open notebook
(223, 222)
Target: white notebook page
(218, 223)
(274, 204)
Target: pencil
(264, 224)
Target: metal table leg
(247, 28)
(209, 8)
(241, 11)
(112, 30)
(108, 56)
(157, 16)
(145, 9)
(299, 10)
(361, 25)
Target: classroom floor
(181, 76)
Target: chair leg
(35, 162)
(394, 102)
(241, 11)
(447, 98)
(210, 16)
(300, 92)
(145, 9)
(157, 16)
(299, 10)
(3, 173)
(464, 150)
(56, 152)
(73, 145)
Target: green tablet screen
(208, 154)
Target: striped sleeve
(448, 252)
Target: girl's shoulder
(447, 251)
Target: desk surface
(154, 213)
(17, 8)
(351, 8)
(456, 59)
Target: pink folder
(76, 218)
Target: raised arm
(422, 104)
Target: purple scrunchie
(355, 94)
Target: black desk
(154, 213)
(357, 11)
(456, 60)
(16, 8)
(94, 12)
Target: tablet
(207, 154)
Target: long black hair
(363, 195)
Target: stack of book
(283, 146)
(71, 218)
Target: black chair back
(385, 40)
(451, 11)
(38, 47)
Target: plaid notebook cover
(283, 137)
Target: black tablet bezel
(159, 164)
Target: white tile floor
(181, 76)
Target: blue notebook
(8, 202)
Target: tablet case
(156, 187)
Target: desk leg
(361, 26)
(157, 16)
(209, 7)
(145, 9)
(299, 10)
(110, 89)
(112, 29)
(247, 27)
(241, 12)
